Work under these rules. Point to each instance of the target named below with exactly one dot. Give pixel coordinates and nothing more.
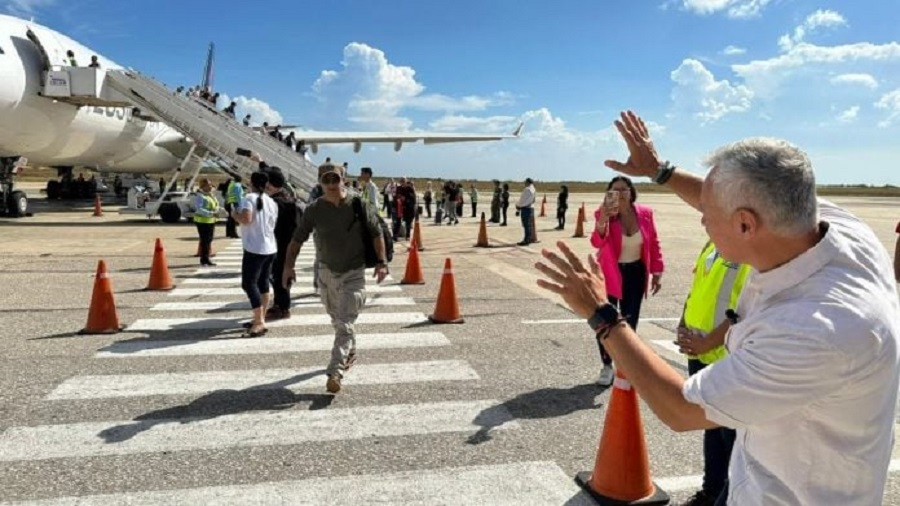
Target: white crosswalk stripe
(267, 345)
(94, 439)
(158, 324)
(197, 292)
(296, 304)
(295, 380)
(518, 483)
(233, 280)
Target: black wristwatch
(664, 172)
(605, 316)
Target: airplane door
(45, 58)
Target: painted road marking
(267, 345)
(296, 380)
(289, 427)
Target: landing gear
(68, 187)
(12, 202)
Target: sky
(824, 75)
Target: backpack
(372, 257)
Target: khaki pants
(343, 296)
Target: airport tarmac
(502, 409)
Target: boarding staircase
(215, 132)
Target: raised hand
(642, 157)
(583, 289)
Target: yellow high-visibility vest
(211, 205)
(716, 288)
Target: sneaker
(333, 385)
(607, 375)
(701, 498)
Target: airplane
(52, 133)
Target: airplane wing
(312, 139)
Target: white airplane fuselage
(52, 133)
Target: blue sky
(822, 74)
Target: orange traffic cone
(447, 308)
(98, 209)
(622, 470)
(534, 237)
(579, 224)
(482, 234)
(413, 275)
(417, 236)
(102, 315)
(159, 271)
(544, 207)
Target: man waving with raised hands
(811, 378)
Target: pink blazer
(610, 247)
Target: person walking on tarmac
(257, 213)
(206, 208)
(701, 332)
(233, 195)
(288, 213)
(342, 224)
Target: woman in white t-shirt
(257, 214)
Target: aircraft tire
(169, 212)
(18, 204)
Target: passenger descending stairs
(213, 131)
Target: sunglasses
(331, 179)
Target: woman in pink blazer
(627, 251)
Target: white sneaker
(607, 375)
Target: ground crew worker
(206, 209)
(716, 288)
(233, 195)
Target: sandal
(258, 333)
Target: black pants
(561, 217)
(282, 294)
(428, 207)
(255, 273)
(634, 282)
(206, 232)
(717, 445)
(504, 208)
(408, 218)
(230, 224)
(474, 209)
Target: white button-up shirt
(811, 379)
(527, 198)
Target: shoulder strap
(358, 213)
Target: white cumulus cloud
(866, 80)
(849, 115)
(373, 93)
(733, 51)
(699, 93)
(259, 110)
(765, 77)
(819, 19)
(735, 9)
(890, 102)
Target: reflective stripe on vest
(210, 204)
(715, 289)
